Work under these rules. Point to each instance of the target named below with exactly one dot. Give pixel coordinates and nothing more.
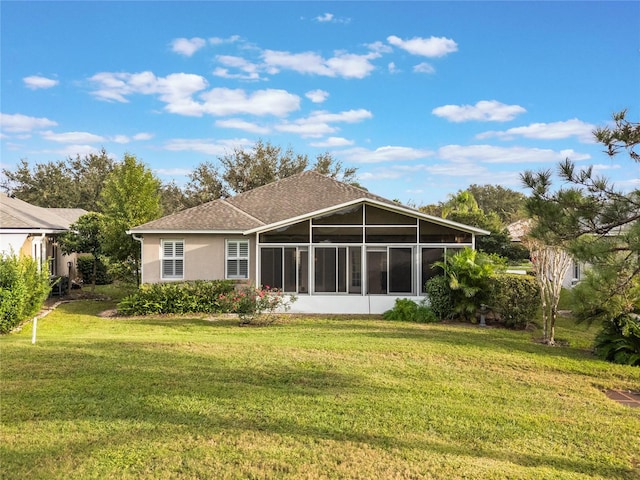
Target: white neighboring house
(29, 230)
(517, 230)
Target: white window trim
(174, 257)
(238, 257)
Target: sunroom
(357, 257)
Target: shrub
(619, 340)
(85, 267)
(439, 297)
(406, 310)
(23, 289)
(255, 305)
(184, 297)
(468, 272)
(516, 298)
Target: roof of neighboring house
(290, 198)
(18, 215)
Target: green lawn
(307, 398)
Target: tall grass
(307, 398)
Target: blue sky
(424, 98)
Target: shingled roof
(16, 214)
(291, 197)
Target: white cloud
(342, 64)
(332, 142)
(331, 18)
(73, 150)
(384, 154)
(143, 136)
(206, 146)
(472, 154)
(23, 123)
(392, 68)
(72, 137)
(327, 17)
(177, 91)
(547, 131)
(317, 96)
(424, 67)
(122, 139)
(173, 172)
(250, 70)
(426, 47)
(484, 110)
(221, 41)
(379, 47)
(242, 125)
(225, 101)
(35, 82)
(317, 124)
(187, 46)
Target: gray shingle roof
(17, 214)
(290, 197)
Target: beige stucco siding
(204, 256)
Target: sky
(423, 98)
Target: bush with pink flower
(256, 305)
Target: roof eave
(135, 231)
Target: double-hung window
(237, 259)
(172, 259)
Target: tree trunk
(93, 275)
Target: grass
(307, 398)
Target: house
(30, 230)
(338, 248)
(519, 229)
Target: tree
(172, 198)
(598, 224)
(46, 185)
(130, 197)
(72, 183)
(327, 165)
(265, 163)
(243, 170)
(205, 185)
(85, 236)
(550, 265)
(508, 204)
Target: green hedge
(439, 296)
(406, 310)
(177, 298)
(23, 290)
(85, 267)
(516, 298)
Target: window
(389, 270)
(237, 259)
(172, 259)
(285, 268)
(337, 269)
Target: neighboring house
(518, 230)
(338, 248)
(29, 230)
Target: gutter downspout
(140, 239)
